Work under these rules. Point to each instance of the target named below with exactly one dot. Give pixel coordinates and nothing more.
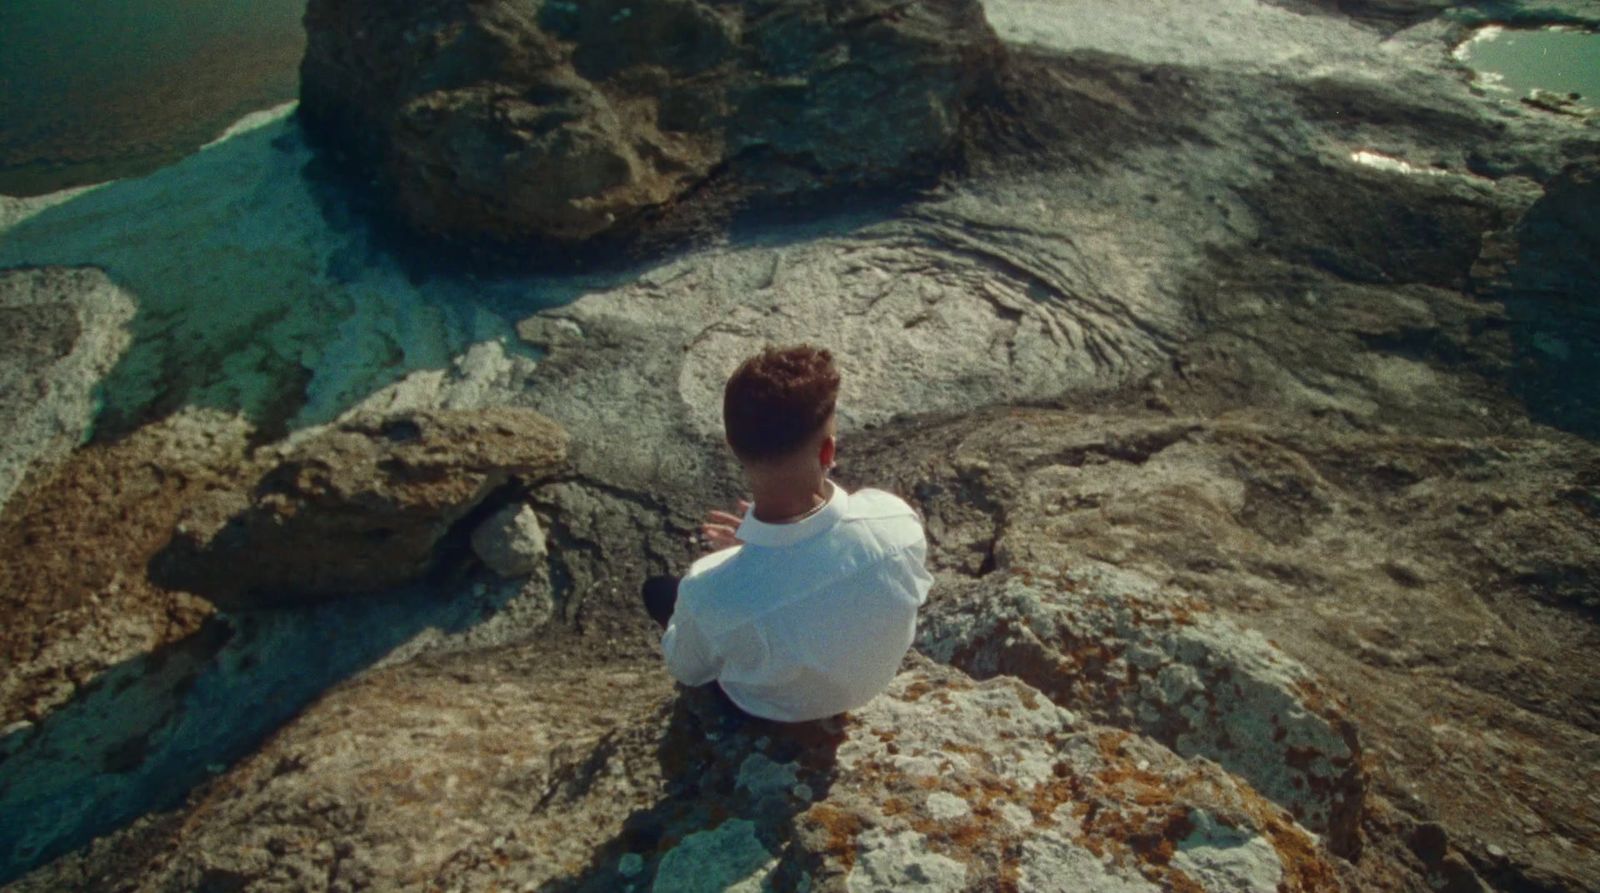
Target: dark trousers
(660, 597)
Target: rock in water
(356, 506)
(516, 121)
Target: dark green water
(1555, 59)
(92, 90)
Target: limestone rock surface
(488, 770)
(75, 588)
(1288, 320)
(510, 541)
(61, 330)
(555, 121)
(1124, 652)
(1445, 643)
(1544, 269)
(357, 506)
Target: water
(92, 90)
(1560, 60)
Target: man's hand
(717, 533)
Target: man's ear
(825, 453)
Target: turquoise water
(92, 90)
(1520, 60)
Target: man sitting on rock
(810, 601)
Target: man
(810, 602)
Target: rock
(1296, 531)
(1126, 653)
(1239, 315)
(729, 857)
(61, 330)
(495, 769)
(357, 506)
(1388, 14)
(483, 376)
(1050, 802)
(608, 540)
(74, 585)
(949, 312)
(511, 542)
(559, 122)
(437, 769)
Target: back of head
(778, 400)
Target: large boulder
(516, 121)
(356, 506)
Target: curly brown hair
(777, 400)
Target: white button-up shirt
(806, 619)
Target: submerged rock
(357, 506)
(558, 122)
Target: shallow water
(1560, 60)
(100, 89)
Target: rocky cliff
(546, 125)
(1239, 377)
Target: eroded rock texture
(593, 779)
(357, 506)
(1439, 587)
(1124, 652)
(560, 122)
(1238, 378)
(61, 330)
(76, 592)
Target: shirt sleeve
(914, 569)
(689, 658)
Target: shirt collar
(760, 533)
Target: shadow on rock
(735, 785)
(1546, 270)
(153, 727)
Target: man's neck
(783, 505)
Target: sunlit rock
(357, 506)
(559, 122)
(1127, 653)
